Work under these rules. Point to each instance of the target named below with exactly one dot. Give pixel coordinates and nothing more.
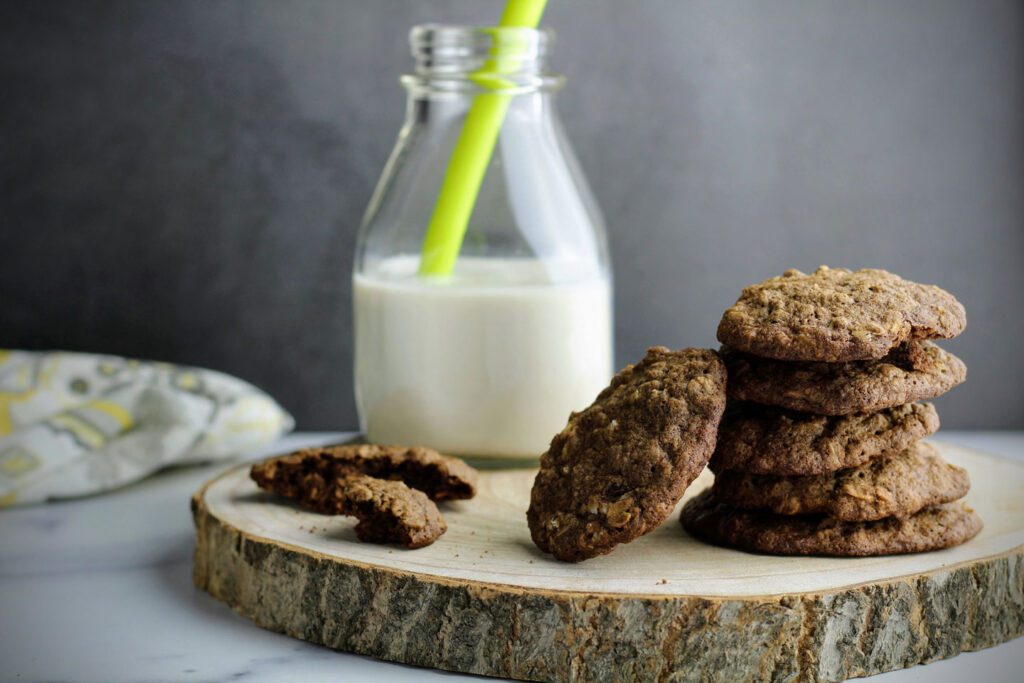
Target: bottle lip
(456, 41)
(453, 57)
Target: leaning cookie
(620, 466)
(895, 485)
(933, 528)
(835, 315)
(439, 476)
(766, 440)
(921, 371)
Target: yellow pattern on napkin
(74, 424)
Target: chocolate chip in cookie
(620, 466)
(835, 315)
(905, 375)
(767, 440)
(896, 485)
(932, 528)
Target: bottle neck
(470, 59)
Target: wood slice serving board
(484, 600)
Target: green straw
(469, 160)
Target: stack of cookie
(819, 452)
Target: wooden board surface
(483, 599)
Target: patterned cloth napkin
(73, 424)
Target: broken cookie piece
(424, 469)
(388, 511)
(389, 489)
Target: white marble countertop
(100, 589)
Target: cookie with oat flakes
(441, 477)
(896, 485)
(620, 466)
(913, 372)
(934, 528)
(836, 315)
(766, 440)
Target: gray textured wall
(182, 180)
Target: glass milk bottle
(488, 358)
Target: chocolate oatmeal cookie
(620, 466)
(895, 485)
(835, 315)
(387, 488)
(388, 511)
(439, 476)
(914, 373)
(933, 528)
(766, 440)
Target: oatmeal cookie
(835, 315)
(895, 485)
(439, 476)
(920, 371)
(620, 466)
(933, 528)
(766, 440)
